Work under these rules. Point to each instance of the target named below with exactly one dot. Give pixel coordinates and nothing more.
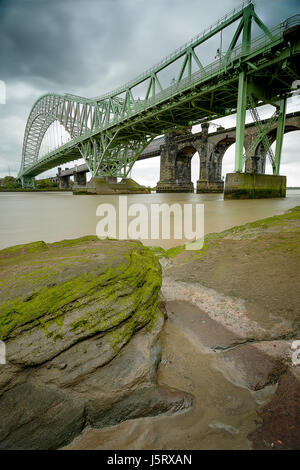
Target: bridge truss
(111, 131)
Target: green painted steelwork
(240, 120)
(111, 131)
(262, 131)
(279, 135)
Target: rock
(244, 289)
(81, 321)
(224, 427)
(52, 298)
(256, 265)
(143, 402)
(280, 418)
(251, 366)
(36, 417)
(200, 327)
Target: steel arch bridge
(111, 131)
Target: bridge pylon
(280, 134)
(108, 157)
(27, 182)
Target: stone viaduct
(177, 149)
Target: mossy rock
(55, 295)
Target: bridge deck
(153, 149)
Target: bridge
(112, 131)
(175, 168)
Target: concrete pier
(167, 187)
(204, 186)
(64, 182)
(111, 186)
(79, 179)
(254, 186)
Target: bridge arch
(45, 111)
(53, 136)
(216, 158)
(183, 164)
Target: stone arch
(216, 158)
(183, 164)
(260, 152)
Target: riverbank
(206, 366)
(233, 314)
(245, 282)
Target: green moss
(17, 250)
(257, 193)
(131, 288)
(172, 252)
(158, 251)
(120, 336)
(51, 332)
(74, 241)
(47, 301)
(143, 302)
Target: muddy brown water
(54, 216)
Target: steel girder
(109, 131)
(106, 156)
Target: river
(54, 216)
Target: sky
(89, 47)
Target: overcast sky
(89, 47)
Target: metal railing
(180, 49)
(213, 68)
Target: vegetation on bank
(11, 184)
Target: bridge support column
(210, 186)
(280, 134)
(254, 162)
(80, 179)
(109, 185)
(111, 179)
(28, 182)
(64, 182)
(210, 170)
(175, 167)
(254, 186)
(240, 121)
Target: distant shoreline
(26, 190)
